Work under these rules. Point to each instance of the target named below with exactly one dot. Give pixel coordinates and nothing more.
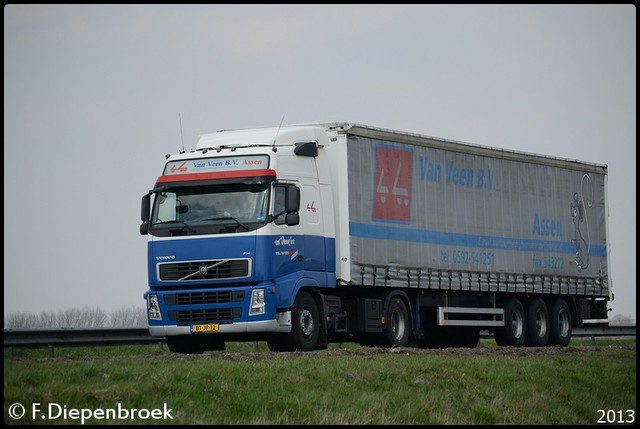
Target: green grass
(489, 385)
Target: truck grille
(211, 315)
(204, 270)
(189, 298)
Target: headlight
(153, 308)
(257, 302)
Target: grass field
(580, 384)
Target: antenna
(273, 147)
(181, 138)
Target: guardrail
(122, 336)
(77, 337)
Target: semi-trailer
(307, 234)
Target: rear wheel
(560, 326)
(514, 330)
(537, 323)
(398, 323)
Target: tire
(305, 327)
(185, 344)
(537, 323)
(514, 330)
(398, 323)
(305, 323)
(560, 325)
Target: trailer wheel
(514, 330)
(398, 323)
(560, 326)
(537, 323)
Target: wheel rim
(541, 324)
(563, 323)
(517, 325)
(398, 326)
(306, 322)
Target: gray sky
(93, 95)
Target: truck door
(310, 218)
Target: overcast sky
(93, 96)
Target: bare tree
(95, 318)
(129, 317)
(20, 320)
(141, 317)
(47, 319)
(87, 317)
(69, 318)
(620, 319)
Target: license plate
(211, 327)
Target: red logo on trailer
(392, 184)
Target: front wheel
(305, 328)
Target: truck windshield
(209, 209)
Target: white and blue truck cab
(306, 234)
(237, 231)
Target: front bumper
(282, 324)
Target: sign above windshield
(225, 163)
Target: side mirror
(306, 149)
(292, 199)
(146, 208)
(291, 219)
(144, 214)
(287, 198)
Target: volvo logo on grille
(205, 270)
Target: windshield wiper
(189, 227)
(229, 218)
